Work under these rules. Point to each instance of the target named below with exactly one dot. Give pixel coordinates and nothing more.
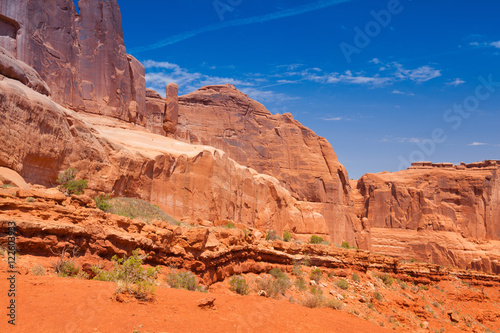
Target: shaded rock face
(82, 57)
(276, 145)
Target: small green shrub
(129, 275)
(139, 209)
(229, 225)
(314, 298)
(287, 236)
(386, 279)
(38, 270)
(277, 284)
(30, 199)
(306, 261)
(342, 284)
(102, 202)
(67, 268)
(345, 245)
(378, 296)
(316, 275)
(355, 277)
(69, 185)
(239, 284)
(182, 280)
(334, 303)
(271, 235)
(424, 287)
(316, 239)
(300, 284)
(297, 270)
(7, 186)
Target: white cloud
(495, 44)
(389, 138)
(456, 82)
(418, 75)
(390, 73)
(334, 118)
(477, 144)
(159, 74)
(375, 61)
(395, 91)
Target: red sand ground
(54, 304)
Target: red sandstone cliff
(277, 145)
(435, 212)
(82, 58)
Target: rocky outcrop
(434, 200)
(18, 70)
(187, 181)
(82, 58)
(52, 222)
(172, 109)
(279, 146)
(155, 111)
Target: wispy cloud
(395, 91)
(335, 119)
(239, 22)
(159, 74)
(486, 44)
(387, 75)
(455, 82)
(478, 144)
(400, 139)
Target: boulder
(10, 177)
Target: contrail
(236, 23)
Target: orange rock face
(434, 198)
(82, 58)
(279, 146)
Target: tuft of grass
(102, 202)
(230, 225)
(316, 239)
(314, 298)
(38, 270)
(386, 279)
(345, 245)
(342, 284)
(182, 280)
(7, 186)
(297, 270)
(239, 284)
(300, 284)
(272, 235)
(306, 261)
(316, 275)
(136, 208)
(287, 236)
(378, 296)
(333, 303)
(277, 284)
(355, 277)
(67, 268)
(30, 199)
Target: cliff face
(435, 212)
(39, 138)
(82, 57)
(277, 145)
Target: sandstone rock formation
(277, 145)
(448, 205)
(187, 181)
(155, 112)
(82, 57)
(172, 109)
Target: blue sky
(385, 82)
